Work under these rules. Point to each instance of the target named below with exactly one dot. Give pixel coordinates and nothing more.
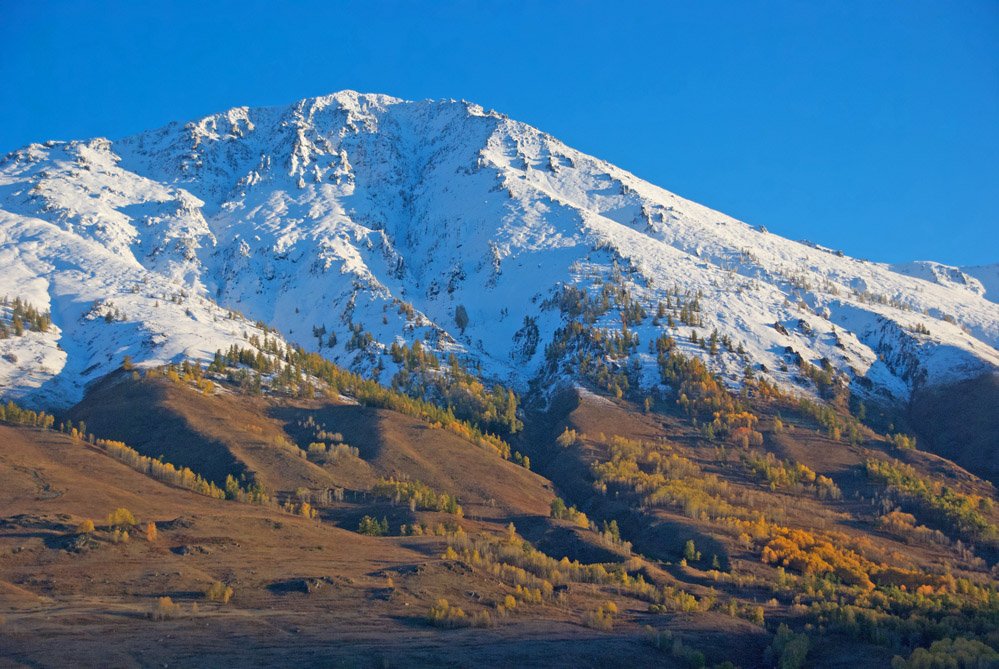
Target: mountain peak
(375, 221)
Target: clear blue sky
(866, 126)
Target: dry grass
(299, 591)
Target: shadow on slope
(960, 422)
(395, 445)
(145, 415)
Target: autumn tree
(165, 608)
(219, 592)
(121, 518)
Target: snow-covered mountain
(342, 216)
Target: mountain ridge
(355, 214)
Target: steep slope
(350, 222)
(74, 255)
(988, 276)
(960, 423)
(264, 439)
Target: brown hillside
(712, 535)
(215, 435)
(394, 445)
(226, 433)
(662, 533)
(305, 593)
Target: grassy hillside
(303, 591)
(690, 530)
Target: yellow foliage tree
(165, 608)
(121, 518)
(219, 592)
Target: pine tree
(461, 317)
